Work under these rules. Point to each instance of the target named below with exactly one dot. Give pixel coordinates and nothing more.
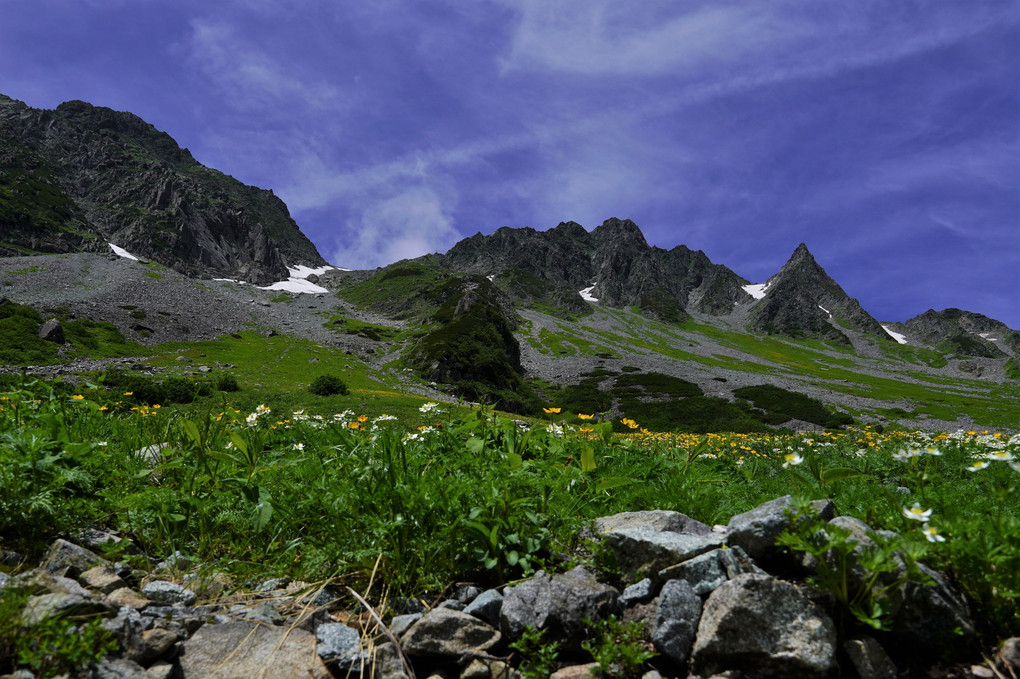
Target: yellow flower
(584, 417)
(362, 418)
(630, 423)
(78, 396)
(129, 393)
(552, 411)
(355, 425)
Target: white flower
(932, 450)
(978, 466)
(915, 513)
(554, 429)
(1001, 455)
(792, 460)
(428, 407)
(298, 446)
(904, 455)
(932, 534)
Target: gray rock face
(168, 593)
(52, 331)
(707, 571)
(676, 621)
(766, 628)
(756, 531)
(558, 604)
(658, 519)
(933, 618)
(446, 632)
(69, 560)
(643, 551)
(486, 606)
(242, 650)
(340, 647)
(869, 658)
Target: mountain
(802, 300)
(612, 264)
(963, 333)
(78, 177)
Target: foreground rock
(727, 607)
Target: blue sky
(885, 135)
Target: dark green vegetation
(328, 385)
(20, 345)
(473, 498)
(781, 405)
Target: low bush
(328, 385)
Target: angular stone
(242, 650)
(1008, 657)
(756, 531)
(68, 559)
(401, 623)
(52, 331)
(676, 621)
(168, 593)
(588, 671)
(41, 582)
(932, 618)
(339, 646)
(128, 626)
(119, 668)
(638, 593)
(125, 596)
(445, 632)
(387, 663)
(711, 569)
(43, 606)
(156, 642)
(483, 668)
(558, 604)
(657, 519)
(102, 578)
(644, 551)
(486, 606)
(869, 658)
(160, 670)
(765, 628)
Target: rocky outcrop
(719, 613)
(81, 176)
(963, 333)
(803, 301)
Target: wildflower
(384, 418)
(427, 408)
(355, 425)
(78, 396)
(792, 459)
(904, 455)
(298, 446)
(978, 466)
(552, 411)
(129, 393)
(555, 430)
(630, 423)
(932, 534)
(582, 416)
(102, 443)
(362, 418)
(932, 450)
(1001, 455)
(915, 513)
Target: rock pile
(713, 602)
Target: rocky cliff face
(614, 263)
(77, 177)
(964, 333)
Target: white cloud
(408, 224)
(248, 74)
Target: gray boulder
(558, 604)
(52, 331)
(486, 606)
(707, 571)
(69, 560)
(764, 627)
(241, 650)
(756, 531)
(449, 633)
(168, 593)
(657, 519)
(869, 658)
(643, 551)
(339, 646)
(676, 621)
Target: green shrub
(227, 382)
(180, 389)
(328, 385)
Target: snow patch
(121, 252)
(985, 335)
(491, 277)
(824, 309)
(586, 293)
(756, 290)
(902, 339)
(298, 285)
(302, 271)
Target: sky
(885, 135)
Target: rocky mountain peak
(109, 176)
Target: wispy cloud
(407, 224)
(249, 76)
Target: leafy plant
(328, 385)
(538, 657)
(618, 647)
